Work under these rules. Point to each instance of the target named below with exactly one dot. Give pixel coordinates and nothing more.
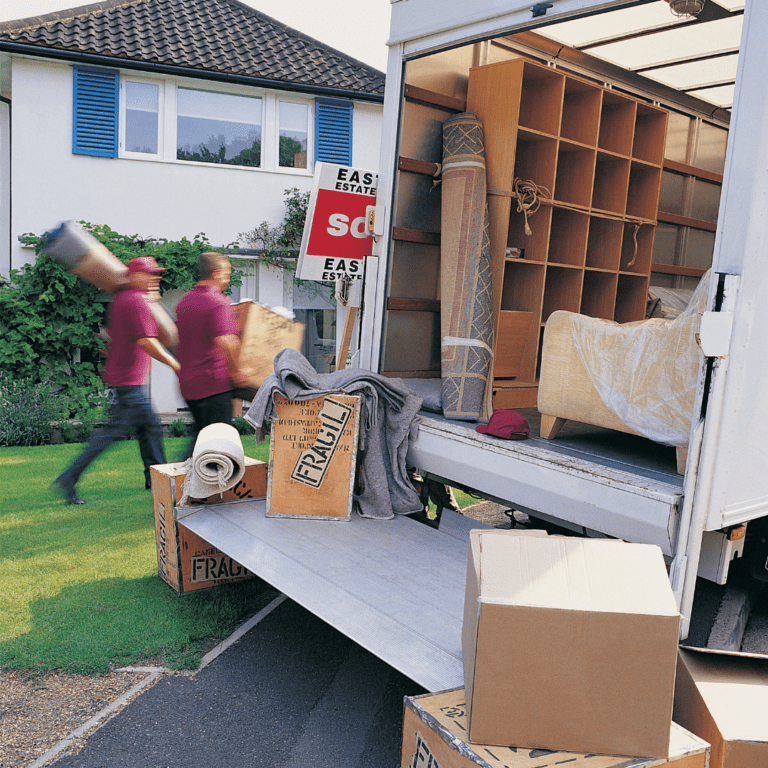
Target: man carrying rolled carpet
(209, 346)
(133, 341)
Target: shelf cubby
(536, 159)
(562, 290)
(631, 298)
(617, 124)
(575, 174)
(604, 243)
(522, 286)
(581, 112)
(568, 237)
(650, 134)
(541, 99)
(643, 193)
(611, 183)
(535, 244)
(598, 296)
(637, 248)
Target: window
(142, 112)
(294, 119)
(170, 120)
(218, 128)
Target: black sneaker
(69, 493)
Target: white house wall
(148, 198)
(5, 187)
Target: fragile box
(313, 457)
(263, 333)
(569, 644)
(184, 560)
(723, 698)
(435, 736)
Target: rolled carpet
(217, 463)
(466, 304)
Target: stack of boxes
(570, 648)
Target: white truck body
(726, 482)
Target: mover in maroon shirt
(133, 341)
(209, 346)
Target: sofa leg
(550, 426)
(682, 458)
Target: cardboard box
(184, 560)
(435, 736)
(723, 698)
(313, 457)
(263, 333)
(569, 644)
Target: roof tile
(214, 36)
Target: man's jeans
(130, 409)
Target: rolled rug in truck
(466, 306)
(80, 252)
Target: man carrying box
(133, 335)
(209, 346)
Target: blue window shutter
(95, 112)
(333, 131)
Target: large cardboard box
(313, 457)
(723, 698)
(569, 644)
(184, 560)
(263, 333)
(435, 736)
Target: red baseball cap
(145, 264)
(508, 424)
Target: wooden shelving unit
(598, 154)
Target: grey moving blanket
(387, 416)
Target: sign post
(336, 239)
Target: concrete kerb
(153, 675)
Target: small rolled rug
(217, 463)
(466, 308)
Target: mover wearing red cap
(506, 423)
(133, 341)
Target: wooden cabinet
(597, 156)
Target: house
(168, 118)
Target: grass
(79, 590)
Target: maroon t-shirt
(130, 319)
(203, 314)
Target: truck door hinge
(714, 336)
(374, 220)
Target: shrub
(242, 426)
(178, 428)
(76, 432)
(28, 411)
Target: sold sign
(336, 239)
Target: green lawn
(79, 589)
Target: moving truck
(646, 135)
(710, 164)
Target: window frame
(161, 118)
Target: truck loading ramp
(395, 587)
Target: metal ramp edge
(396, 587)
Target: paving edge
(153, 673)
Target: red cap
(145, 264)
(508, 424)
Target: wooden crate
(263, 333)
(313, 456)
(434, 736)
(184, 560)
